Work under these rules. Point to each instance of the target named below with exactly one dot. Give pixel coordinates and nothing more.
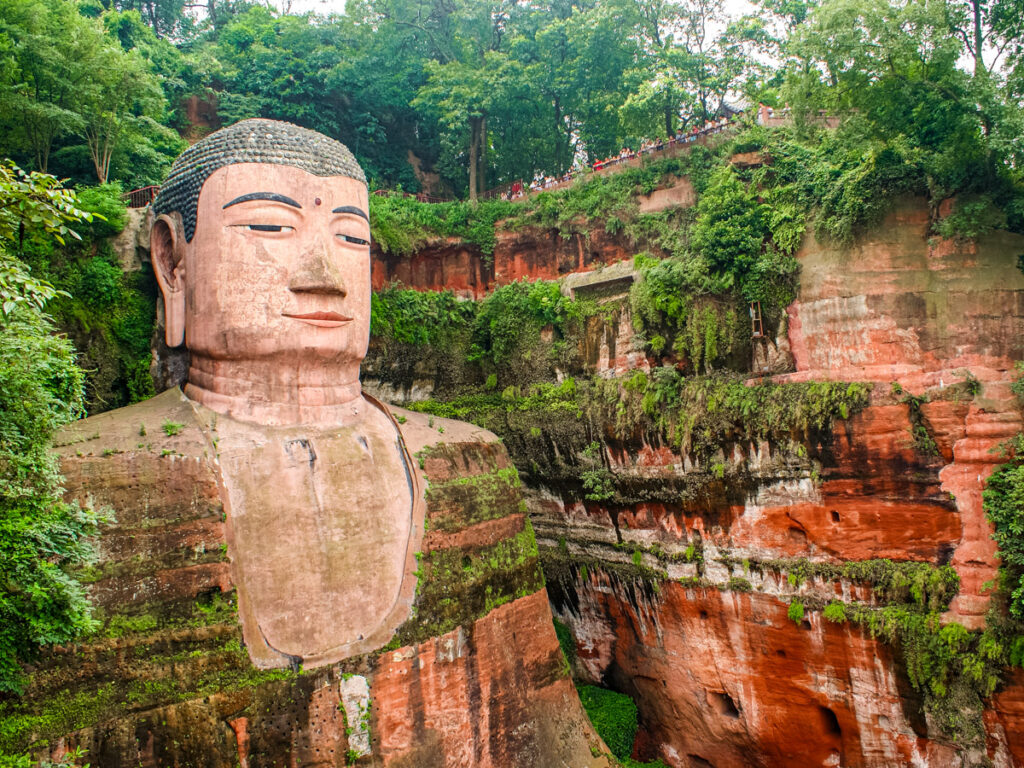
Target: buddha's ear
(167, 248)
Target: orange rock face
(438, 703)
(524, 254)
(726, 679)
(924, 312)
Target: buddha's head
(260, 245)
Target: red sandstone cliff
(726, 678)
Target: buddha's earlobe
(167, 248)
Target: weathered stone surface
(442, 703)
(679, 195)
(901, 479)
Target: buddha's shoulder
(422, 431)
(165, 425)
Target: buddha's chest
(319, 527)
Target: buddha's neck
(278, 395)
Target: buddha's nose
(316, 273)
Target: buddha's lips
(321, 319)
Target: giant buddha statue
(295, 573)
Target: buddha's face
(278, 268)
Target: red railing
(417, 196)
(140, 198)
(511, 191)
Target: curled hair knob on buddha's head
(249, 141)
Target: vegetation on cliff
(698, 416)
(41, 388)
(107, 311)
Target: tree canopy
(457, 96)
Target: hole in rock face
(835, 516)
(699, 762)
(946, 554)
(797, 536)
(724, 704)
(830, 721)
(805, 624)
(703, 615)
(780, 653)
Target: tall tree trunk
(979, 38)
(558, 133)
(481, 176)
(474, 139)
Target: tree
(462, 94)
(49, 53)
(119, 101)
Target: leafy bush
(614, 716)
(509, 323)
(110, 213)
(40, 534)
(972, 217)
(100, 283)
(731, 226)
(418, 317)
(795, 612)
(1004, 504)
(835, 612)
(41, 388)
(402, 225)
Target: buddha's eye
(354, 239)
(268, 228)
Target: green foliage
(609, 199)
(71, 95)
(518, 334)
(108, 313)
(795, 612)
(40, 534)
(109, 212)
(402, 225)
(614, 716)
(34, 209)
(696, 414)
(923, 585)
(739, 584)
(972, 217)
(731, 225)
(509, 323)
(835, 612)
(1004, 505)
(566, 641)
(952, 667)
(419, 317)
(100, 284)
